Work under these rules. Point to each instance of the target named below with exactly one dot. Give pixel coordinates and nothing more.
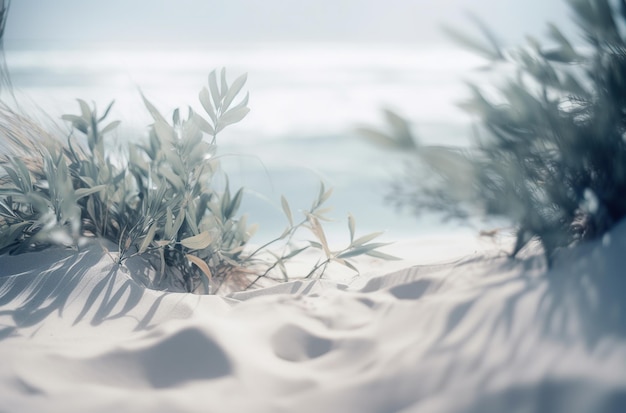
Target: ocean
(306, 102)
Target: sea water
(306, 102)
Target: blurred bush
(550, 152)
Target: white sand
(475, 333)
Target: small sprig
(217, 100)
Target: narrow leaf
(232, 116)
(204, 267)
(83, 192)
(198, 242)
(205, 100)
(203, 124)
(156, 115)
(560, 55)
(215, 92)
(296, 252)
(224, 85)
(84, 108)
(164, 131)
(77, 122)
(318, 231)
(354, 252)
(234, 204)
(17, 181)
(286, 210)
(488, 34)
(315, 244)
(234, 90)
(366, 238)
(382, 256)
(350, 265)
(378, 138)
(110, 126)
(106, 111)
(558, 36)
(321, 192)
(178, 222)
(24, 173)
(5, 210)
(471, 43)
(351, 226)
(401, 129)
(148, 239)
(169, 223)
(171, 177)
(324, 198)
(244, 102)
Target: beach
(468, 330)
(454, 326)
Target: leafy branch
(164, 199)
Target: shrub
(159, 199)
(551, 150)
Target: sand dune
(476, 332)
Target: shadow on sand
(511, 321)
(86, 283)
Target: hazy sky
(140, 21)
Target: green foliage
(551, 153)
(160, 199)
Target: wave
(311, 89)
